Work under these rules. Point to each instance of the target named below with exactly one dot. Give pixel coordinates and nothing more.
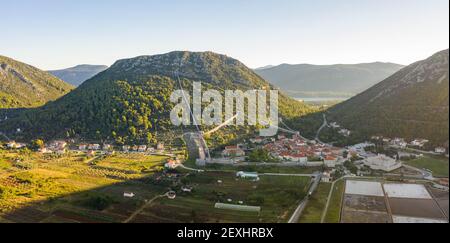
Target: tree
(261, 155)
(37, 144)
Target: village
(283, 150)
(254, 160)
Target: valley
(108, 151)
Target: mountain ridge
(341, 79)
(78, 74)
(24, 86)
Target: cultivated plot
(407, 191)
(364, 202)
(410, 220)
(416, 208)
(374, 202)
(364, 188)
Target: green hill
(129, 102)
(22, 85)
(412, 103)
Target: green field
(263, 169)
(438, 165)
(34, 187)
(74, 188)
(334, 210)
(316, 205)
(135, 163)
(277, 196)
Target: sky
(54, 34)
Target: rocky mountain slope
(22, 85)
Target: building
(57, 145)
(399, 142)
(440, 150)
(300, 158)
(248, 175)
(126, 148)
(14, 145)
(326, 177)
(187, 189)
(233, 151)
(128, 194)
(94, 146)
(419, 142)
(382, 162)
(345, 132)
(242, 208)
(142, 148)
(160, 147)
(82, 147)
(377, 138)
(335, 125)
(330, 161)
(257, 140)
(172, 164)
(107, 147)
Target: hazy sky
(54, 34)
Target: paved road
(261, 174)
(191, 169)
(426, 174)
(298, 212)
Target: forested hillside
(129, 102)
(413, 103)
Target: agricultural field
(314, 210)
(333, 214)
(264, 169)
(438, 165)
(392, 202)
(75, 188)
(132, 163)
(276, 195)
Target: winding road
(325, 124)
